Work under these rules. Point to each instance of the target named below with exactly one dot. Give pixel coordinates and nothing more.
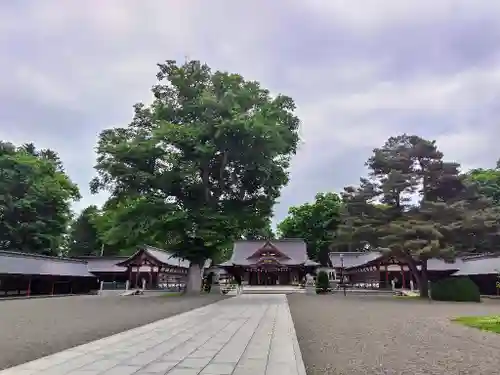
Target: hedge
(322, 282)
(458, 289)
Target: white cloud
(77, 67)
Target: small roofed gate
(145, 271)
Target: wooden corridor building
(374, 267)
(32, 274)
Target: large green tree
(314, 222)
(84, 237)
(35, 199)
(199, 166)
(428, 209)
(487, 181)
(263, 232)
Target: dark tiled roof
(294, 250)
(13, 263)
(164, 257)
(479, 266)
(441, 265)
(353, 259)
(105, 264)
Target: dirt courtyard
(382, 335)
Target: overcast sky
(359, 71)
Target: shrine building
(271, 262)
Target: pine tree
(416, 206)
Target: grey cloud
(357, 75)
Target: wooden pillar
(378, 273)
(150, 277)
(52, 290)
(386, 276)
(137, 277)
(402, 276)
(29, 287)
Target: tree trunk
(194, 279)
(412, 265)
(421, 277)
(424, 280)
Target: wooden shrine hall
(273, 262)
(153, 267)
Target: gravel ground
(383, 335)
(30, 329)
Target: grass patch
(485, 323)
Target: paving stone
(251, 366)
(157, 368)
(248, 334)
(219, 368)
(183, 371)
(194, 363)
(122, 370)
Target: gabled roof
(160, 256)
(268, 247)
(294, 250)
(14, 263)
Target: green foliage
(322, 282)
(259, 232)
(200, 166)
(450, 217)
(35, 200)
(484, 323)
(84, 236)
(458, 289)
(488, 182)
(315, 223)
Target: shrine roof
(462, 265)
(486, 265)
(104, 264)
(15, 263)
(353, 259)
(293, 252)
(160, 256)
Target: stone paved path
(248, 334)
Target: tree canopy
(428, 208)
(314, 222)
(84, 237)
(199, 166)
(488, 182)
(35, 199)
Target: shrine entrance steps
(272, 289)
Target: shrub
(322, 282)
(458, 289)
